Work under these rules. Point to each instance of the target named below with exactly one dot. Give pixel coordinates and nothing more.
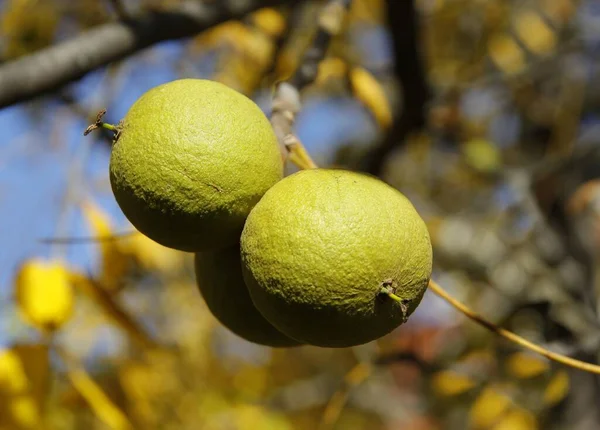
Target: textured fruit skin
(319, 246)
(192, 159)
(219, 279)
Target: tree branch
(286, 100)
(410, 72)
(53, 67)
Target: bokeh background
(483, 112)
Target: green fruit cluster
(307, 259)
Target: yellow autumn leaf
(35, 362)
(367, 10)
(525, 365)
(557, 389)
(152, 256)
(517, 419)
(331, 68)
(370, 92)
(24, 378)
(535, 34)
(451, 383)
(250, 417)
(26, 26)
(101, 404)
(481, 155)
(270, 21)
(44, 294)
(13, 379)
(114, 261)
(112, 308)
(23, 412)
(506, 54)
(489, 406)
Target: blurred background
(485, 113)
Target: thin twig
(286, 100)
(88, 239)
(510, 336)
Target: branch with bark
(409, 70)
(286, 100)
(56, 66)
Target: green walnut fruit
(219, 278)
(191, 159)
(321, 249)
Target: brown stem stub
(96, 124)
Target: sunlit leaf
(367, 10)
(524, 365)
(482, 155)
(506, 53)
(331, 68)
(13, 379)
(24, 385)
(44, 293)
(23, 412)
(269, 21)
(153, 256)
(114, 261)
(27, 25)
(517, 419)
(36, 365)
(250, 417)
(370, 92)
(451, 383)
(535, 34)
(489, 406)
(100, 403)
(557, 389)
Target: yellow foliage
(367, 10)
(252, 417)
(44, 294)
(489, 407)
(331, 68)
(36, 364)
(557, 388)
(524, 365)
(481, 155)
(114, 261)
(102, 406)
(153, 256)
(23, 385)
(270, 21)
(24, 412)
(451, 383)
(27, 25)
(13, 379)
(250, 381)
(537, 36)
(517, 419)
(506, 54)
(370, 92)
(113, 309)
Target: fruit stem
(99, 124)
(508, 335)
(108, 126)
